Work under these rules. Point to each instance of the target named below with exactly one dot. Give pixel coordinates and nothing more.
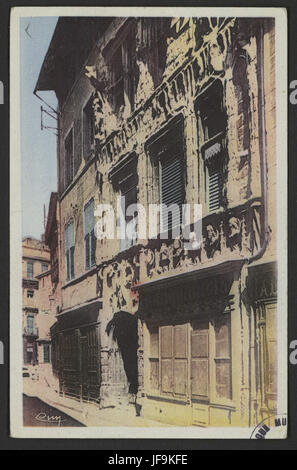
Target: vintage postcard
(148, 222)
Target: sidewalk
(88, 414)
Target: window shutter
(68, 264)
(166, 333)
(215, 187)
(223, 359)
(172, 190)
(154, 359)
(87, 250)
(180, 365)
(69, 236)
(89, 217)
(199, 363)
(72, 262)
(93, 247)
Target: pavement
(84, 414)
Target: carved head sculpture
(111, 272)
(164, 256)
(234, 227)
(212, 234)
(194, 243)
(128, 276)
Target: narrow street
(38, 413)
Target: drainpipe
(263, 149)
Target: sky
(38, 148)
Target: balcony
(230, 235)
(31, 331)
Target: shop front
(76, 352)
(195, 355)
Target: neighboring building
(168, 111)
(35, 262)
(51, 279)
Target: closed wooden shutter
(215, 187)
(154, 359)
(69, 250)
(174, 359)
(69, 157)
(166, 333)
(172, 190)
(223, 367)
(180, 365)
(90, 241)
(200, 363)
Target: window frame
(48, 356)
(67, 177)
(31, 295)
(88, 147)
(27, 267)
(158, 150)
(69, 255)
(212, 396)
(44, 265)
(218, 137)
(90, 236)
(121, 45)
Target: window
(171, 190)
(128, 191)
(213, 118)
(123, 71)
(192, 360)
(30, 269)
(168, 153)
(117, 80)
(214, 184)
(125, 181)
(174, 362)
(69, 250)
(69, 157)
(200, 362)
(30, 294)
(154, 36)
(223, 359)
(88, 128)
(211, 110)
(46, 353)
(44, 267)
(30, 324)
(154, 359)
(89, 234)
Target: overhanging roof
(72, 41)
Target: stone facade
(180, 332)
(35, 265)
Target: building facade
(168, 111)
(35, 265)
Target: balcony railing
(31, 331)
(227, 235)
